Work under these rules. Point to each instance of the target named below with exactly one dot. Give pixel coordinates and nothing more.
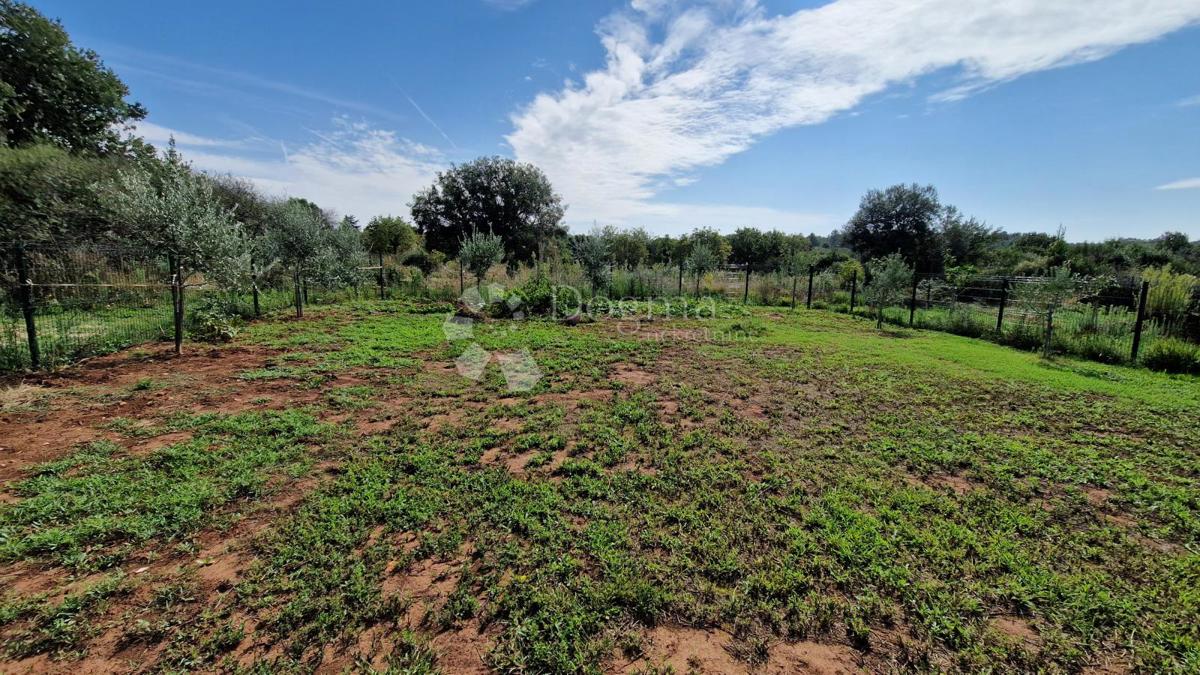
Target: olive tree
(479, 252)
(890, 276)
(173, 210)
(700, 261)
(593, 253)
(297, 237)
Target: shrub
(537, 294)
(1099, 348)
(1172, 356)
(212, 320)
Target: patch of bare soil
(1017, 628)
(632, 375)
(87, 398)
(694, 650)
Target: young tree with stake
(173, 210)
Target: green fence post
(26, 296)
(1137, 324)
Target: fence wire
(93, 299)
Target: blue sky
(1028, 114)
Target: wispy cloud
(351, 168)
(508, 5)
(686, 87)
(208, 80)
(1185, 184)
(161, 135)
(1190, 102)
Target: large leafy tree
(47, 194)
(510, 199)
(901, 219)
(967, 241)
(52, 90)
(390, 235)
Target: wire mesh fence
(1112, 321)
(64, 303)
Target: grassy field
(762, 491)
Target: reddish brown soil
(693, 650)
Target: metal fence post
(1137, 325)
(912, 303)
(382, 281)
(177, 300)
(811, 271)
(1003, 301)
(254, 288)
(26, 294)
(853, 290)
(1049, 330)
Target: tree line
(71, 171)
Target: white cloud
(1185, 184)
(1190, 102)
(354, 168)
(161, 135)
(687, 87)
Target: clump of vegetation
(212, 320)
(1172, 356)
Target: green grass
(795, 476)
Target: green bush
(537, 295)
(1098, 348)
(213, 320)
(1172, 356)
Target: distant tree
(717, 244)
(661, 250)
(241, 197)
(967, 241)
(629, 248)
(901, 219)
(390, 235)
(593, 254)
(700, 261)
(479, 252)
(1175, 242)
(890, 276)
(746, 247)
(510, 199)
(52, 90)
